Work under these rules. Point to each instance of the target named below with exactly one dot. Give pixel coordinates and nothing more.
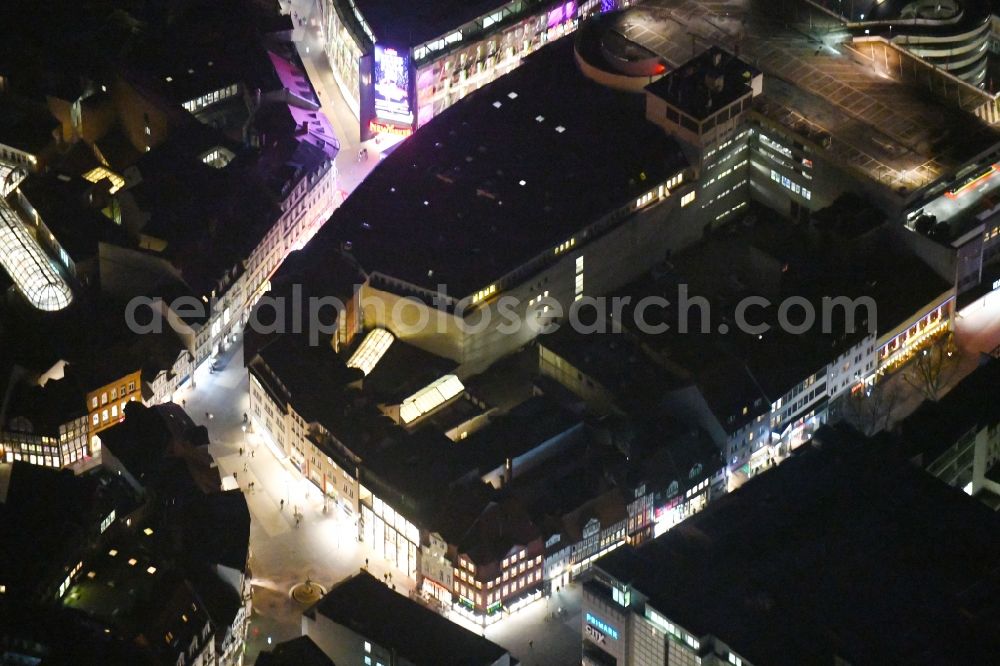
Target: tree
(870, 409)
(933, 365)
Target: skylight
(371, 350)
(430, 398)
(28, 266)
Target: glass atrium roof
(29, 267)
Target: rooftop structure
(705, 84)
(839, 553)
(67, 212)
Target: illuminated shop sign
(561, 14)
(385, 128)
(602, 626)
(392, 85)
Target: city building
(45, 542)
(277, 196)
(173, 575)
(952, 36)
(297, 403)
(107, 403)
(398, 67)
(732, 135)
(758, 387)
(523, 215)
(957, 438)
(46, 425)
(816, 561)
(69, 218)
(361, 620)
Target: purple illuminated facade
(403, 87)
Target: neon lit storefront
(394, 88)
(921, 333)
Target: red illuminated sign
(385, 128)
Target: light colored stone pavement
(321, 546)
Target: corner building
(398, 66)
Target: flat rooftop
(417, 634)
(838, 551)
(893, 133)
(761, 255)
(503, 176)
(403, 23)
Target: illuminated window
(483, 294)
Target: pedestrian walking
(282, 505)
(241, 450)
